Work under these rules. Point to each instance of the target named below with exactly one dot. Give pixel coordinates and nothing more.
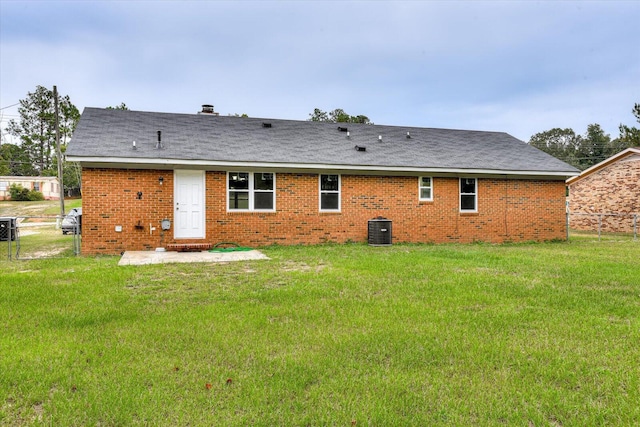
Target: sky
(520, 67)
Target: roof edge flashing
(116, 162)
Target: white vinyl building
(47, 185)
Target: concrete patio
(165, 257)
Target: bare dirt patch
(301, 266)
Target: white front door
(188, 196)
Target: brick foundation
(508, 210)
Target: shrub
(20, 194)
(35, 196)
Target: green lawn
(523, 334)
(40, 241)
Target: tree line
(591, 148)
(35, 153)
(581, 151)
(337, 116)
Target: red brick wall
(610, 195)
(110, 199)
(508, 210)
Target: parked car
(72, 222)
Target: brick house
(607, 195)
(258, 182)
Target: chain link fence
(604, 225)
(38, 237)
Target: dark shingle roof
(108, 134)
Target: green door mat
(235, 248)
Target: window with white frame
(468, 195)
(426, 188)
(329, 192)
(251, 191)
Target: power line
(9, 106)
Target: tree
(36, 128)
(595, 147)
(581, 151)
(337, 116)
(72, 176)
(560, 143)
(318, 116)
(15, 161)
(122, 106)
(630, 136)
(4, 165)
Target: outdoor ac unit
(380, 232)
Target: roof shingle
(106, 133)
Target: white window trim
(321, 191)
(475, 194)
(251, 192)
(420, 187)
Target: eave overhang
(625, 153)
(170, 164)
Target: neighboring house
(258, 182)
(47, 185)
(607, 196)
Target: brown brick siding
(508, 210)
(609, 196)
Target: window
(4, 185)
(468, 195)
(36, 186)
(426, 188)
(263, 191)
(329, 192)
(251, 191)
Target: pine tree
(36, 128)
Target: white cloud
(521, 67)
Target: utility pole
(59, 152)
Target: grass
(40, 241)
(520, 334)
(36, 209)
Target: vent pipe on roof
(159, 143)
